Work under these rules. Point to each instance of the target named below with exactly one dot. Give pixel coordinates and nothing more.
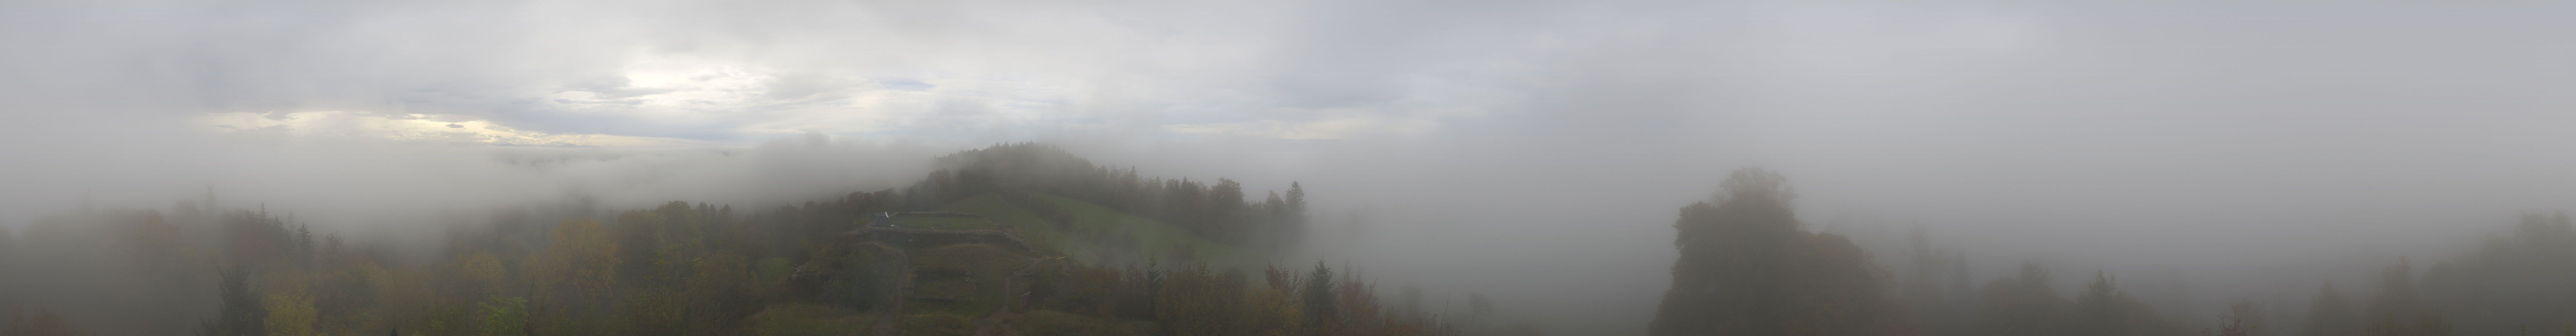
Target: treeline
(2519, 283)
(1218, 211)
(675, 269)
(1748, 267)
(678, 269)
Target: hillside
(1096, 235)
(948, 272)
(1039, 180)
(952, 272)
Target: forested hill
(1218, 210)
(1109, 253)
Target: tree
(1727, 279)
(2396, 301)
(2510, 282)
(1296, 201)
(240, 313)
(1138, 289)
(289, 314)
(1198, 302)
(1923, 284)
(1318, 296)
(1747, 268)
(1278, 207)
(2396, 295)
(2022, 305)
(2102, 309)
(575, 275)
(1269, 311)
(719, 291)
(1294, 228)
(1834, 289)
(502, 316)
(483, 275)
(2329, 314)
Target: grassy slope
(974, 275)
(941, 223)
(997, 211)
(1091, 221)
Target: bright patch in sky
(412, 128)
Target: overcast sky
(1514, 146)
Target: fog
(1534, 152)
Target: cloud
(740, 73)
(1340, 128)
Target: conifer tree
(241, 313)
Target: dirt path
(885, 323)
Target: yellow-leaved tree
(574, 276)
(289, 314)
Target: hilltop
(999, 242)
